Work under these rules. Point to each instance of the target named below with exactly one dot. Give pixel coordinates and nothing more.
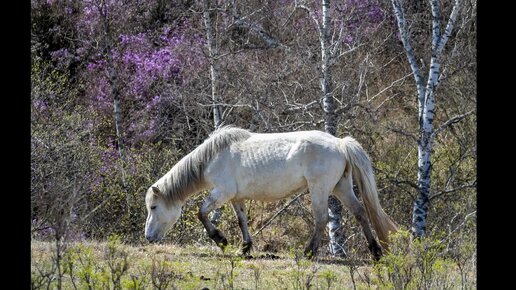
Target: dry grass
(96, 265)
(207, 267)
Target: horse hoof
(378, 255)
(246, 248)
(219, 239)
(376, 251)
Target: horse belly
(271, 181)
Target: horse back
(272, 166)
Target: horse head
(161, 215)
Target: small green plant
(42, 274)
(256, 275)
(117, 261)
(134, 282)
(443, 269)
(415, 264)
(234, 261)
(329, 276)
(304, 271)
(70, 265)
(162, 274)
(396, 268)
(462, 249)
(88, 270)
(427, 253)
(352, 267)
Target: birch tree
(426, 88)
(211, 45)
(336, 233)
(104, 12)
(113, 76)
(212, 57)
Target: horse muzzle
(153, 236)
(150, 239)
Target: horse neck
(187, 192)
(194, 188)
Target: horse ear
(156, 190)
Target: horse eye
(153, 207)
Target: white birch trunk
(336, 233)
(113, 77)
(117, 109)
(213, 54)
(426, 104)
(330, 124)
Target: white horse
(238, 165)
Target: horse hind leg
(319, 198)
(214, 200)
(239, 208)
(344, 192)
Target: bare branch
(469, 185)
(304, 107)
(466, 218)
(386, 100)
(404, 133)
(397, 181)
(453, 120)
(346, 52)
(388, 87)
(310, 13)
(258, 30)
(225, 105)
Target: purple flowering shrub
(147, 67)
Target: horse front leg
(239, 207)
(213, 201)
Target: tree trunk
(115, 93)
(330, 124)
(336, 233)
(426, 104)
(116, 107)
(113, 77)
(212, 53)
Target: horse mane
(187, 175)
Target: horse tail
(364, 177)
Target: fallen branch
(279, 212)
